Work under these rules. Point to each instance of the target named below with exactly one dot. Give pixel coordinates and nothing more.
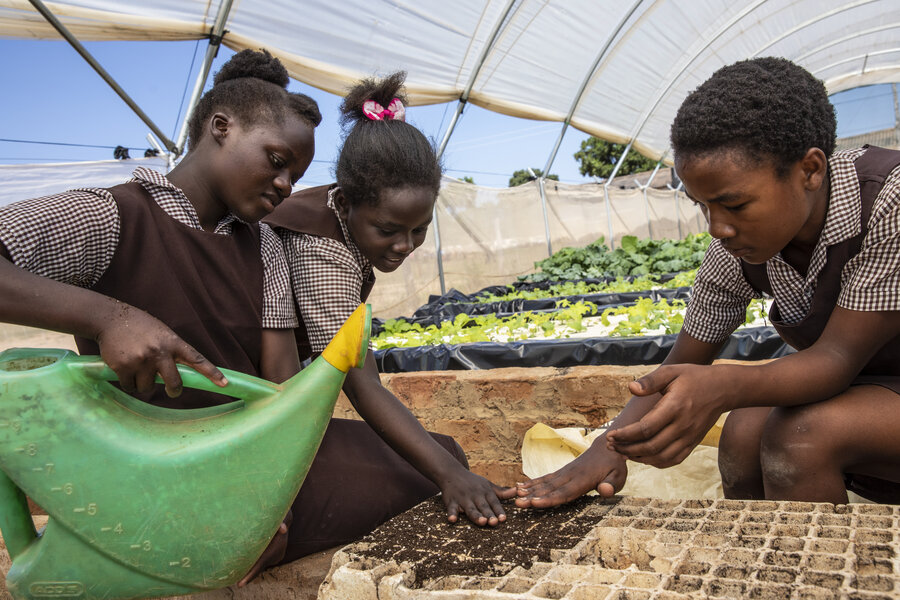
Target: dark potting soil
(436, 548)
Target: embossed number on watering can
(56, 589)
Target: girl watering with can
(335, 237)
(175, 268)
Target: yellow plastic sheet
(545, 450)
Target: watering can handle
(240, 385)
(15, 519)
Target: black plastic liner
(752, 343)
(453, 303)
(456, 296)
(441, 316)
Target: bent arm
(600, 467)
(396, 424)
(35, 301)
(461, 490)
(687, 350)
(850, 340)
(279, 360)
(134, 344)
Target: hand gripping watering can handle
(240, 385)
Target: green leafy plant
(632, 257)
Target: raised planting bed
(579, 333)
(541, 296)
(629, 549)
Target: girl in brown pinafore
(817, 230)
(334, 237)
(175, 268)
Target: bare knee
(793, 447)
(739, 463)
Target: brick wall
(488, 412)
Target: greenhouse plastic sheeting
(753, 343)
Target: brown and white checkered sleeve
(278, 299)
(719, 297)
(326, 280)
(69, 237)
(870, 281)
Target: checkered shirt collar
(166, 192)
(842, 220)
(363, 262)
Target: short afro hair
(770, 109)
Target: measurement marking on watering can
(29, 449)
(146, 546)
(90, 509)
(56, 589)
(184, 563)
(66, 488)
(14, 425)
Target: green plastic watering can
(146, 501)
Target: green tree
(467, 179)
(597, 158)
(524, 176)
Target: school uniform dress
(356, 481)
(141, 243)
(855, 265)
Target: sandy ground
(16, 336)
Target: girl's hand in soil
(693, 398)
(596, 469)
(137, 346)
(476, 497)
(273, 553)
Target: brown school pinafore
(207, 287)
(884, 368)
(356, 481)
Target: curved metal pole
(835, 42)
(721, 31)
(577, 100)
(644, 189)
(865, 58)
(215, 41)
(816, 19)
(546, 218)
(463, 99)
(606, 191)
(584, 84)
(63, 31)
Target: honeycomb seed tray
(628, 548)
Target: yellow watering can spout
(146, 501)
(348, 347)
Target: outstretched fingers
(481, 504)
(592, 470)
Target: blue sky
(50, 94)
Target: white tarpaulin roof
(620, 67)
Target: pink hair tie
(394, 112)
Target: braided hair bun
(252, 87)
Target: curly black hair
(252, 85)
(378, 155)
(769, 109)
